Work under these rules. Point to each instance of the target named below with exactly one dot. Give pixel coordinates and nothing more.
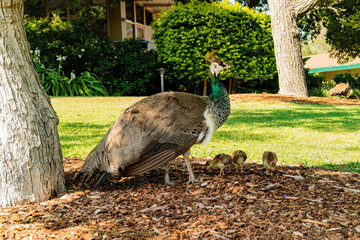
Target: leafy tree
(342, 20)
(186, 34)
(317, 45)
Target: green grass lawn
(309, 134)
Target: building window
(139, 14)
(129, 11)
(148, 17)
(130, 30)
(140, 31)
(35, 9)
(57, 6)
(75, 7)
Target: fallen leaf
(298, 234)
(297, 178)
(198, 191)
(315, 222)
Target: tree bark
(290, 66)
(205, 87)
(31, 167)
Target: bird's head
(217, 66)
(209, 163)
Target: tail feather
(103, 177)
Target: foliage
(127, 68)
(356, 92)
(54, 37)
(341, 18)
(320, 92)
(186, 34)
(317, 45)
(318, 85)
(57, 84)
(353, 80)
(314, 80)
(124, 68)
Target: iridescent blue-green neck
(218, 89)
(219, 104)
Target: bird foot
(169, 183)
(192, 180)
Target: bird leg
(167, 176)
(192, 178)
(237, 168)
(221, 172)
(241, 167)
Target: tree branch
(301, 7)
(253, 3)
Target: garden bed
(294, 203)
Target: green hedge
(185, 35)
(124, 68)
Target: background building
(124, 20)
(328, 67)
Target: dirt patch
(294, 203)
(275, 98)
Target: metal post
(162, 73)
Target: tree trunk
(230, 86)
(205, 87)
(290, 66)
(31, 167)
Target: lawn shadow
(73, 134)
(326, 118)
(346, 167)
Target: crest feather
(212, 56)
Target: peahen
(342, 89)
(157, 129)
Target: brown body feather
(147, 135)
(239, 157)
(342, 89)
(269, 161)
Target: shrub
(185, 35)
(124, 68)
(354, 80)
(315, 80)
(56, 83)
(356, 92)
(320, 92)
(127, 69)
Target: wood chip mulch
(294, 203)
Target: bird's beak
(228, 66)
